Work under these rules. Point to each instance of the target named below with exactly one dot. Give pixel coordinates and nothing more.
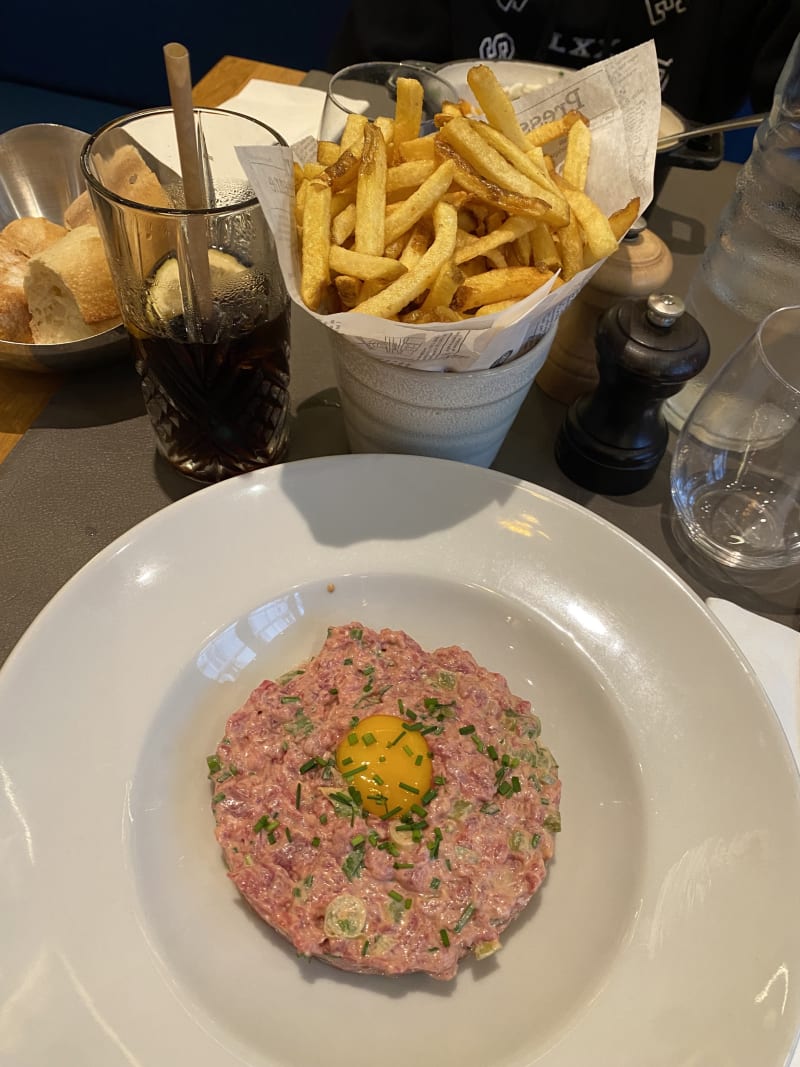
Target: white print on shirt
(507, 5)
(664, 72)
(657, 10)
(501, 46)
(581, 46)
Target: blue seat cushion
(21, 105)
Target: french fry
(345, 169)
(490, 309)
(371, 194)
(599, 237)
(418, 148)
(551, 131)
(327, 152)
(490, 193)
(443, 287)
(423, 200)
(496, 104)
(364, 266)
(408, 111)
(433, 314)
(409, 175)
(576, 161)
(509, 283)
(418, 242)
(312, 170)
(400, 293)
(348, 289)
(461, 134)
(570, 240)
(509, 231)
(543, 249)
(524, 163)
(316, 244)
(353, 131)
(622, 220)
(343, 224)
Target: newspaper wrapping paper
(621, 96)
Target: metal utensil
(740, 123)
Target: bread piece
(15, 319)
(30, 235)
(69, 289)
(80, 212)
(127, 175)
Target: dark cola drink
(219, 405)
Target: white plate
(666, 932)
(510, 72)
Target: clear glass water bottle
(752, 265)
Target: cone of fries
(456, 248)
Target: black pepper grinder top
(613, 438)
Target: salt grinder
(612, 439)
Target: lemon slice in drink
(164, 298)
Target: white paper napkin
(293, 110)
(773, 651)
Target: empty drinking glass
(735, 475)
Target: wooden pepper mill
(641, 265)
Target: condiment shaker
(612, 439)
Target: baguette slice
(32, 234)
(15, 319)
(69, 289)
(80, 212)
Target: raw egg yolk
(389, 764)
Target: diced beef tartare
(385, 808)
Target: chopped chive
(214, 764)
(392, 813)
(448, 864)
(364, 947)
(395, 895)
(352, 739)
(438, 779)
(354, 770)
(402, 866)
(417, 727)
(372, 837)
(466, 729)
(345, 762)
(418, 761)
(504, 788)
(535, 840)
(264, 823)
(347, 662)
(315, 842)
(359, 839)
(323, 819)
(290, 700)
(334, 692)
(356, 634)
(295, 892)
(506, 760)
(297, 794)
(429, 796)
(419, 810)
(271, 837)
(355, 796)
(309, 765)
(408, 788)
(288, 833)
(491, 752)
(409, 751)
(407, 903)
(377, 779)
(464, 918)
(399, 737)
(435, 883)
(428, 729)
(516, 785)
(216, 799)
(369, 738)
(445, 937)
(308, 881)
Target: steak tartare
(385, 808)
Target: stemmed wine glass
(735, 476)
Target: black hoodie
(712, 54)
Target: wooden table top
(24, 394)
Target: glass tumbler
(200, 289)
(735, 476)
(371, 89)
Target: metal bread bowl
(40, 176)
